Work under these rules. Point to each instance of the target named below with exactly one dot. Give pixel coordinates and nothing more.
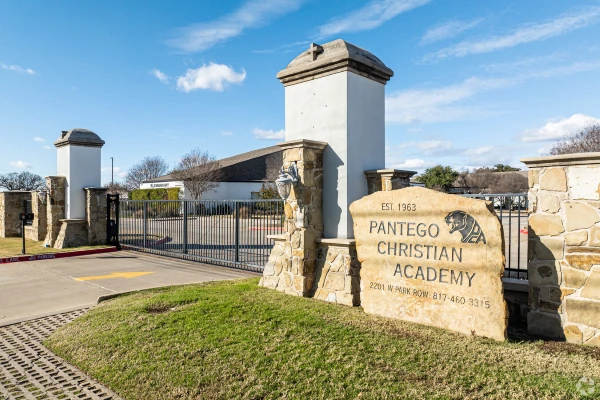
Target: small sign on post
(24, 217)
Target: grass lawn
(11, 247)
(233, 340)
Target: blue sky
(476, 82)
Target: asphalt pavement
(34, 289)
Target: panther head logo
(466, 225)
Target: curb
(52, 256)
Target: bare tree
(22, 181)
(116, 188)
(148, 168)
(585, 141)
(199, 172)
(485, 180)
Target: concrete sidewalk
(35, 289)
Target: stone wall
(55, 205)
(337, 277)
(73, 233)
(95, 212)
(291, 265)
(383, 180)
(38, 228)
(11, 206)
(564, 247)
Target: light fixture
(42, 196)
(287, 178)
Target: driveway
(35, 289)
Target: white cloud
(413, 163)
(519, 65)
(565, 70)
(489, 155)
(368, 17)
(20, 164)
(428, 147)
(161, 76)
(212, 76)
(270, 134)
(557, 129)
(478, 151)
(448, 30)
(526, 34)
(439, 104)
(252, 14)
(47, 147)
(285, 48)
(17, 68)
(39, 139)
(227, 133)
(444, 103)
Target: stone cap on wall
(79, 137)
(277, 237)
(396, 173)
(304, 143)
(333, 57)
(562, 160)
(337, 241)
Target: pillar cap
(79, 137)
(304, 143)
(390, 172)
(331, 58)
(562, 160)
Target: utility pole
(112, 172)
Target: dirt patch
(560, 348)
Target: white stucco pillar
(79, 161)
(334, 93)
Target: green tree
(505, 168)
(439, 177)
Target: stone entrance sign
(432, 258)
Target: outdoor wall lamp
(287, 178)
(42, 196)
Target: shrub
(155, 194)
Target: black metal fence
(229, 232)
(234, 232)
(511, 209)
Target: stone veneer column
(337, 277)
(38, 229)
(55, 204)
(95, 214)
(11, 206)
(564, 247)
(291, 265)
(384, 180)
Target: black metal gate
(232, 233)
(112, 220)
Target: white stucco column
(334, 93)
(79, 161)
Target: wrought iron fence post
(117, 220)
(185, 227)
(237, 231)
(145, 222)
